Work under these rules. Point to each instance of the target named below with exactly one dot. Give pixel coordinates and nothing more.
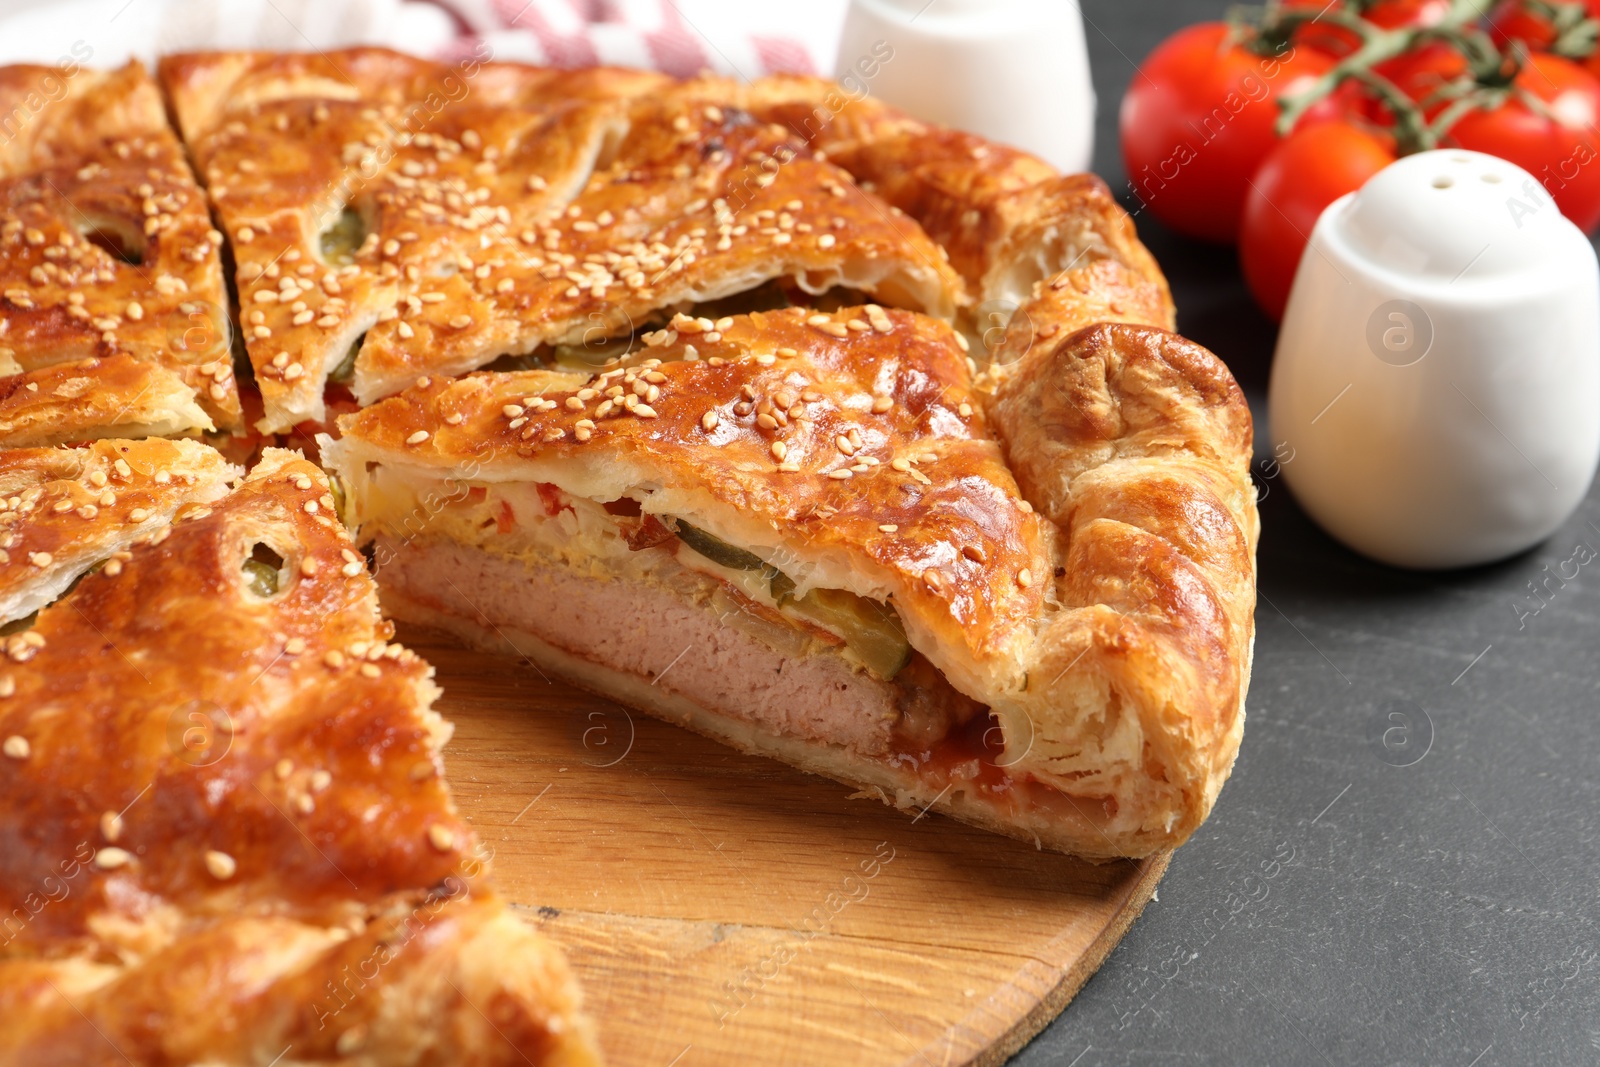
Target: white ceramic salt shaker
(1014, 71)
(1436, 388)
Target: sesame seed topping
(294, 646)
(17, 747)
(931, 576)
(8, 686)
(110, 826)
(779, 450)
(1024, 577)
(888, 527)
(283, 768)
(417, 438)
(221, 865)
(841, 474)
(40, 559)
(370, 670)
(333, 658)
(881, 405)
(441, 838)
(708, 421)
(111, 857)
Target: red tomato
(1512, 21)
(1198, 119)
(1562, 152)
(1311, 169)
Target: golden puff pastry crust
(275, 821)
(546, 210)
(107, 251)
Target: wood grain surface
(720, 908)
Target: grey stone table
(1435, 900)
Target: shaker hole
(1492, 179)
(1443, 182)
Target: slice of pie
(113, 311)
(392, 217)
(227, 838)
(66, 510)
(812, 536)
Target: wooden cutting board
(724, 909)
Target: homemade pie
(227, 837)
(845, 439)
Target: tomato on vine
(1199, 118)
(1309, 170)
(1546, 126)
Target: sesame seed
(294, 646)
(333, 658)
(931, 576)
(221, 865)
(461, 322)
(827, 240)
(417, 438)
(779, 450)
(308, 567)
(370, 670)
(283, 768)
(441, 838)
(708, 421)
(17, 747)
(350, 570)
(111, 857)
(889, 527)
(135, 310)
(310, 507)
(964, 410)
(766, 421)
(1024, 577)
(841, 474)
(644, 411)
(8, 686)
(320, 780)
(110, 826)
(113, 567)
(40, 559)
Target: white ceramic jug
(1015, 71)
(1437, 379)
